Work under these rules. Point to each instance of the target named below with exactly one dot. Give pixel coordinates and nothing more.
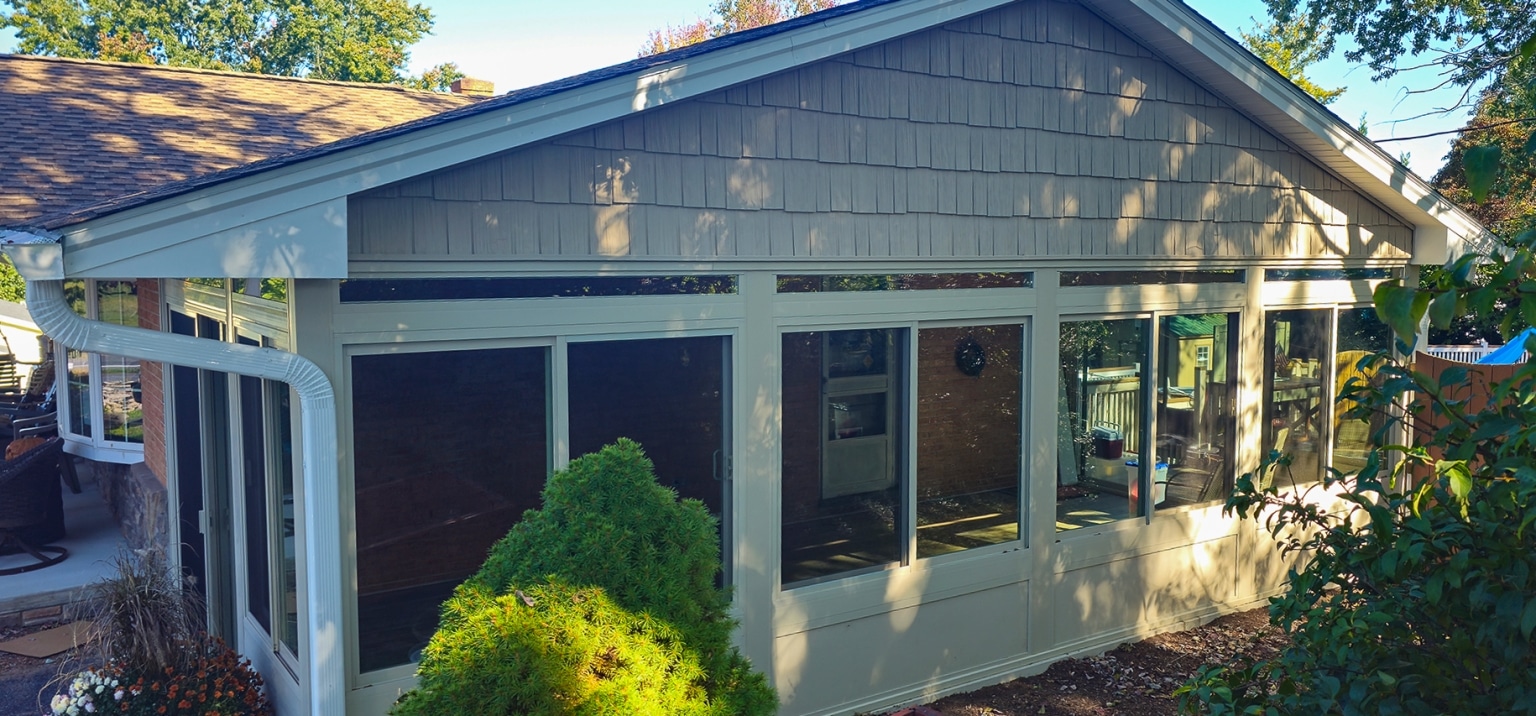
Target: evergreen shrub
(603, 601)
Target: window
(1196, 408)
(1299, 364)
(1361, 333)
(968, 437)
(853, 499)
(102, 416)
(1102, 398)
(842, 493)
(450, 448)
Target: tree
(436, 79)
(1468, 41)
(353, 40)
(1290, 48)
(730, 16)
(602, 601)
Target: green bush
(601, 602)
(1411, 597)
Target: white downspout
(42, 258)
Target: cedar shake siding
(1030, 131)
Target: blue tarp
(1511, 352)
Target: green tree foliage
(13, 287)
(1414, 597)
(1291, 47)
(355, 40)
(602, 601)
(436, 79)
(1469, 40)
(730, 16)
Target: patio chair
(32, 507)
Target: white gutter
(40, 262)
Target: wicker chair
(32, 506)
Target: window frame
(94, 446)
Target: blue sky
(516, 43)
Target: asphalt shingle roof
(54, 215)
(76, 133)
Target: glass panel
(450, 449)
(253, 427)
(1355, 274)
(449, 289)
(122, 409)
(1361, 333)
(842, 505)
(1297, 344)
(122, 413)
(968, 437)
(1131, 278)
(668, 395)
(1099, 408)
(270, 289)
(1196, 410)
(286, 569)
(78, 389)
(903, 282)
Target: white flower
(90, 707)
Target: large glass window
(968, 437)
(102, 415)
(668, 394)
(843, 508)
(1361, 334)
(1299, 364)
(849, 485)
(1103, 467)
(450, 448)
(1196, 408)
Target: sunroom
(962, 317)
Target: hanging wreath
(970, 357)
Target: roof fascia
(1191, 43)
(97, 244)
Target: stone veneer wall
(137, 499)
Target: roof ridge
(143, 67)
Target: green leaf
(1528, 619)
(1481, 165)
(1401, 308)
(1442, 309)
(1460, 479)
(1530, 144)
(1528, 47)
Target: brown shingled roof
(78, 132)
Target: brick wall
(151, 380)
(450, 450)
(967, 426)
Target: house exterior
(902, 291)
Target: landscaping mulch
(1133, 679)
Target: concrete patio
(93, 539)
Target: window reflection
(1196, 412)
(1361, 334)
(1100, 402)
(842, 506)
(968, 431)
(1299, 365)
